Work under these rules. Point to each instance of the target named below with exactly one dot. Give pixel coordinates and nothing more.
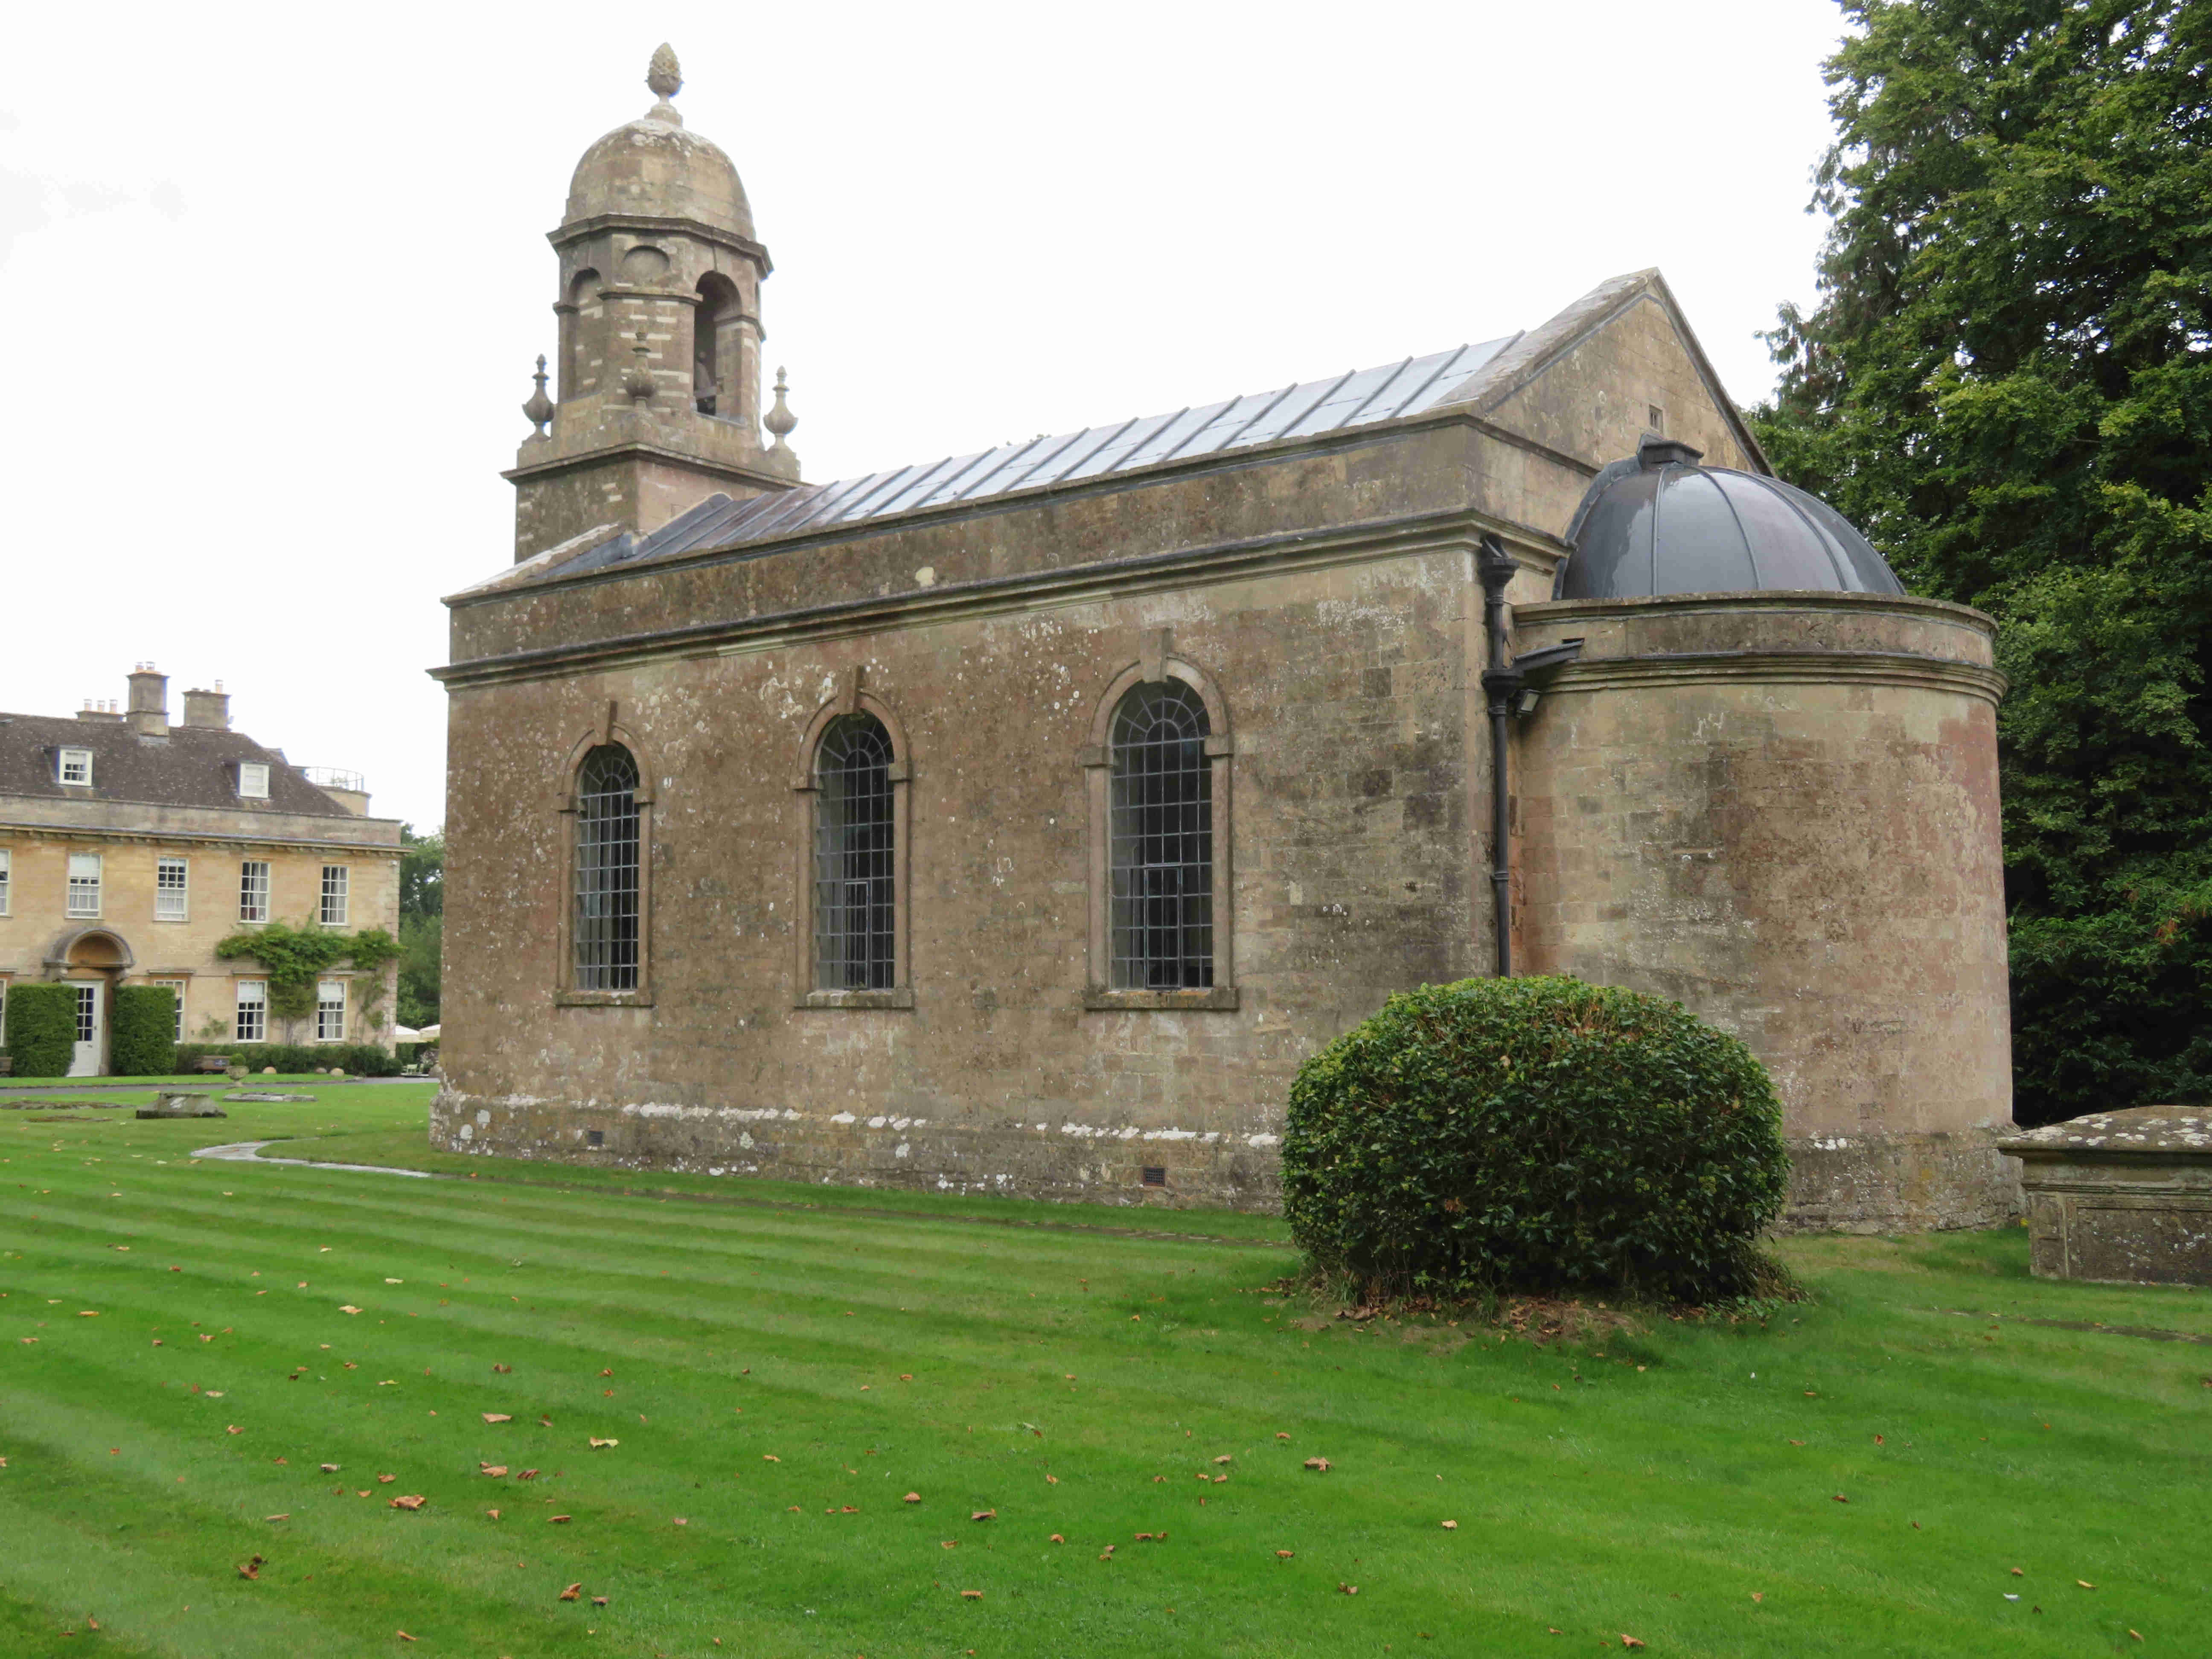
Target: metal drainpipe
(1496, 566)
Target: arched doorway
(92, 961)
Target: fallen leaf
(1052, 1479)
(1758, 1595)
(503, 1370)
(287, 1515)
(494, 1514)
(403, 1635)
(947, 1544)
(494, 1470)
(984, 1515)
(1349, 1589)
(1877, 1440)
(386, 1480)
(555, 1519)
(1840, 1499)
(233, 1428)
(498, 1417)
(413, 1503)
(572, 1592)
(90, 1313)
(1225, 1458)
(770, 1457)
(598, 1601)
(527, 1475)
(2017, 1573)
(349, 1307)
(608, 1372)
(1318, 1465)
(249, 1569)
(679, 1521)
(599, 1444)
(971, 1595)
(1628, 1641)
(1284, 1555)
(1057, 1539)
(913, 1497)
(2085, 1583)
(1451, 1526)
(2137, 1634)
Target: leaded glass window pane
(855, 943)
(606, 871)
(1161, 857)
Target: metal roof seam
(1273, 403)
(1353, 419)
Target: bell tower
(656, 400)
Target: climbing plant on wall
(296, 957)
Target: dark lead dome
(1662, 524)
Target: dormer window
(75, 766)
(253, 781)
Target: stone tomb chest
(2121, 1197)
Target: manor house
(130, 846)
(1019, 821)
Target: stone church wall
(1348, 690)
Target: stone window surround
(182, 890)
(7, 878)
(179, 980)
(337, 899)
(77, 886)
(853, 697)
(344, 1004)
(1156, 662)
(565, 994)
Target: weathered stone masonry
(1778, 807)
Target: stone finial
(780, 420)
(539, 409)
(639, 382)
(666, 76)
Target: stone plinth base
(2123, 1198)
(1898, 1183)
(1036, 1158)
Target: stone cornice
(580, 230)
(1808, 664)
(16, 820)
(1562, 612)
(1257, 455)
(689, 459)
(1453, 530)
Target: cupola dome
(1663, 523)
(654, 168)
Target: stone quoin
(1018, 821)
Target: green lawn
(781, 1370)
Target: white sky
(274, 276)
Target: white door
(91, 1030)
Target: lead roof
(1307, 408)
(191, 766)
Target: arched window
(583, 292)
(717, 305)
(1160, 858)
(605, 927)
(855, 884)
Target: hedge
(142, 1038)
(41, 1027)
(355, 1059)
(1534, 1134)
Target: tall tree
(422, 923)
(2008, 382)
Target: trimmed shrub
(354, 1059)
(142, 1040)
(1534, 1134)
(41, 1027)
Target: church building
(1019, 821)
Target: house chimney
(150, 702)
(103, 710)
(208, 708)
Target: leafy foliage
(2008, 384)
(41, 1027)
(1533, 1133)
(357, 1058)
(422, 925)
(296, 957)
(143, 1031)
